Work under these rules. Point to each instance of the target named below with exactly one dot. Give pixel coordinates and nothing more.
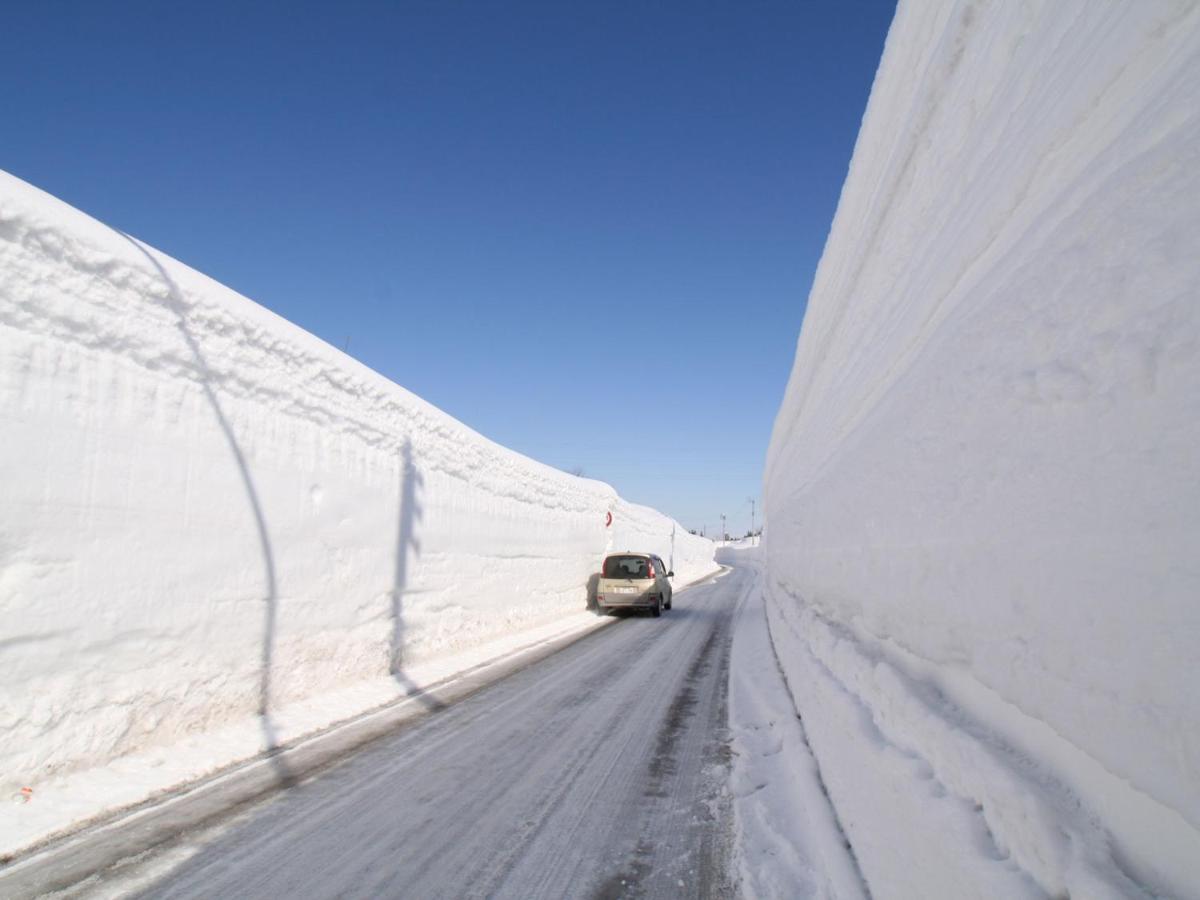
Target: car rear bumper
(626, 603)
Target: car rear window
(626, 567)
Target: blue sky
(516, 210)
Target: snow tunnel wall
(984, 478)
(208, 512)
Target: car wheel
(656, 609)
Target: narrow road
(599, 772)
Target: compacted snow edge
(876, 754)
(789, 842)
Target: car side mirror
(670, 574)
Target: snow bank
(209, 514)
(983, 487)
(789, 844)
(737, 552)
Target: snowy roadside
(837, 745)
(982, 489)
(933, 802)
(789, 843)
(66, 803)
(219, 534)
(341, 719)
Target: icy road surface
(599, 772)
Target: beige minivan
(633, 581)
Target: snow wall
(983, 486)
(207, 512)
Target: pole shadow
(176, 304)
(410, 512)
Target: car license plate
(626, 590)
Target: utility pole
(724, 533)
(752, 518)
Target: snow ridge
(210, 518)
(982, 487)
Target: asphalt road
(598, 772)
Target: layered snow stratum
(982, 552)
(208, 516)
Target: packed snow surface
(982, 552)
(214, 525)
(789, 843)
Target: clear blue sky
(488, 200)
